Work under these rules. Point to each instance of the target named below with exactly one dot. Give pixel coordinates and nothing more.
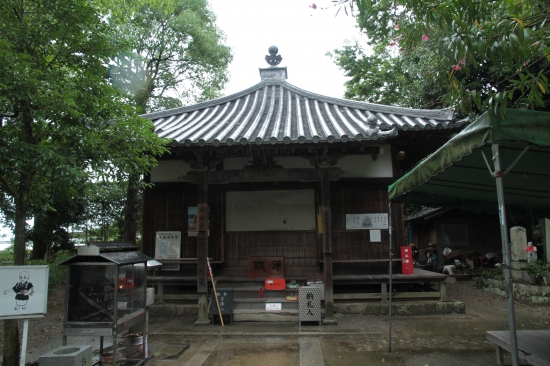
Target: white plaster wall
(362, 166)
(170, 171)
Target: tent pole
(391, 275)
(506, 254)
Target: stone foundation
(402, 308)
(531, 294)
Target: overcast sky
(303, 36)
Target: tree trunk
(10, 328)
(40, 238)
(131, 208)
(11, 342)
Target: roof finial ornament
(273, 59)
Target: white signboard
(273, 306)
(168, 246)
(371, 221)
(375, 236)
(24, 292)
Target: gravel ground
(443, 338)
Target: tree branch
(9, 188)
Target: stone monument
(518, 242)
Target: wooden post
(442, 291)
(327, 245)
(384, 291)
(202, 250)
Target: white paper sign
(168, 246)
(273, 306)
(371, 221)
(24, 292)
(375, 236)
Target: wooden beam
(202, 236)
(262, 175)
(327, 244)
(358, 296)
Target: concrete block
(517, 275)
(67, 356)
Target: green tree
(386, 77)
(177, 57)
(49, 232)
(60, 117)
(491, 54)
(104, 209)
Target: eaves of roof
(276, 112)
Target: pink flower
(456, 67)
(392, 44)
(397, 26)
(425, 37)
(462, 61)
(313, 6)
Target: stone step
(259, 304)
(259, 315)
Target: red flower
(397, 26)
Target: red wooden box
(275, 284)
(407, 260)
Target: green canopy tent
(460, 175)
(457, 175)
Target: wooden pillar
(202, 250)
(327, 246)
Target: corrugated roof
(276, 112)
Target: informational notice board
(168, 246)
(368, 221)
(24, 293)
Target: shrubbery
(537, 270)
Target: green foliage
(103, 210)
(57, 273)
(495, 273)
(177, 55)
(61, 119)
(6, 255)
(536, 269)
(480, 54)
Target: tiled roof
(276, 112)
